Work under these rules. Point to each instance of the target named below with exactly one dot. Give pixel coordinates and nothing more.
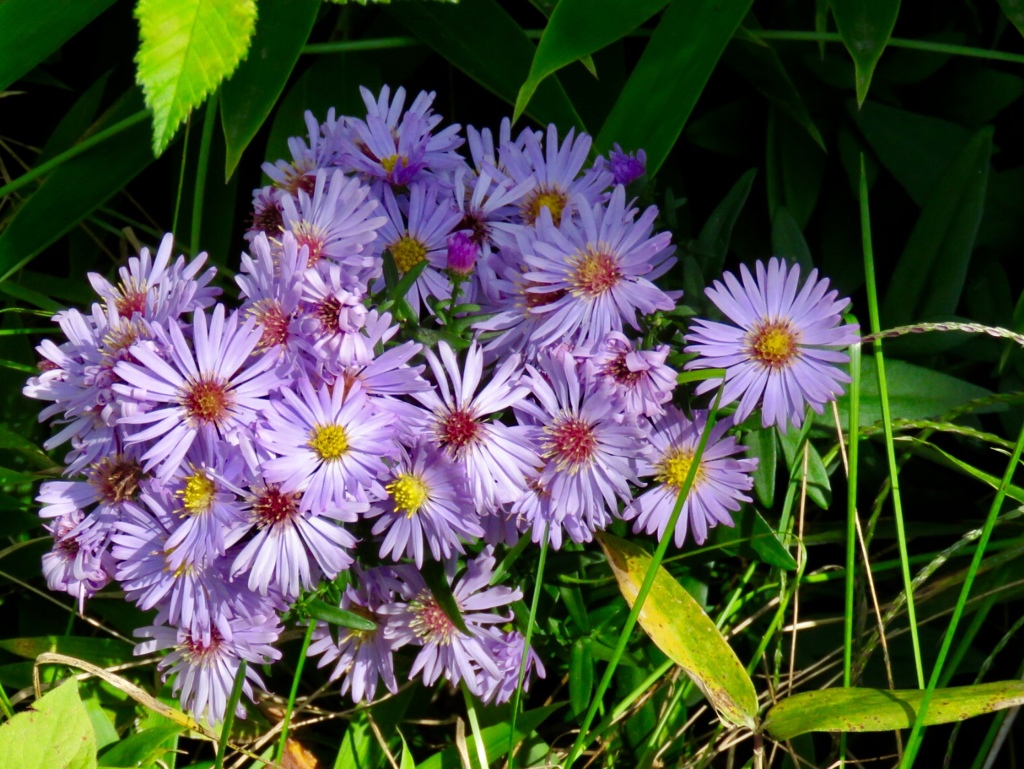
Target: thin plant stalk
(645, 588)
(229, 715)
(917, 732)
(516, 701)
(474, 726)
(853, 429)
(286, 721)
(883, 394)
(181, 180)
(202, 165)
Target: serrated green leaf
(30, 30)
(55, 734)
(484, 41)
(249, 96)
(680, 628)
(930, 274)
(338, 616)
(659, 96)
(881, 710)
(77, 188)
(576, 29)
(496, 739)
(865, 26)
(187, 48)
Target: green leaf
(669, 78)
(581, 676)
(408, 762)
(359, 746)
(752, 537)
(865, 26)
(77, 188)
(55, 734)
(1014, 10)
(788, 241)
(142, 748)
(819, 491)
(434, 575)
(338, 616)
(30, 30)
(484, 41)
(761, 445)
(73, 124)
(9, 439)
(100, 651)
(794, 169)
(713, 241)
(881, 710)
(496, 739)
(915, 148)
(680, 628)
(914, 392)
(187, 48)
(578, 28)
(249, 96)
(930, 274)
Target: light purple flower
(507, 650)
(718, 486)
(782, 349)
(639, 377)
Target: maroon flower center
(273, 320)
(269, 220)
(570, 443)
(272, 507)
(197, 647)
(116, 479)
(430, 622)
(535, 299)
(207, 402)
(596, 272)
(132, 299)
(773, 343)
(68, 547)
(309, 235)
(617, 369)
(457, 430)
(328, 312)
(478, 229)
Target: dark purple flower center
(272, 507)
(200, 648)
(570, 443)
(268, 219)
(457, 430)
(617, 369)
(116, 479)
(478, 229)
(538, 299)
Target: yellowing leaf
(55, 734)
(188, 47)
(882, 710)
(681, 629)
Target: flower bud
(462, 253)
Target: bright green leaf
(578, 28)
(581, 676)
(338, 616)
(881, 710)
(865, 26)
(142, 748)
(495, 739)
(669, 78)
(188, 47)
(819, 490)
(251, 93)
(484, 41)
(751, 537)
(100, 651)
(761, 446)
(930, 274)
(55, 734)
(30, 30)
(408, 762)
(681, 629)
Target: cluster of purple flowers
(223, 460)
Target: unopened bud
(462, 253)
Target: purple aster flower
(590, 452)
(556, 172)
(507, 651)
(782, 350)
(426, 502)
(328, 444)
(271, 285)
(594, 275)
(362, 657)
(292, 547)
(718, 486)
(210, 390)
(267, 213)
(627, 167)
(496, 457)
(331, 317)
(639, 377)
(204, 668)
(447, 650)
(79, 563)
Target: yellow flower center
(197, 496)
(773, 343)
(407, 253)
(329, 442)
(596, 273)
(675, 466)
(389, 163)
(544, 197)
(409, 493)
